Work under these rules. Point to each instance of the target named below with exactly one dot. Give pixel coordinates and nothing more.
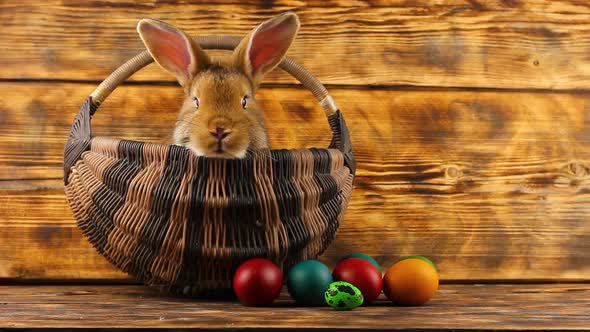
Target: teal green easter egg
(307, 281)
(363, 256)
(421, 258)
(342, 295)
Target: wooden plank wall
(470, 120)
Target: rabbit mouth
(216, 149)
(221, 150)
(219, 147)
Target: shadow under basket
(185, 223)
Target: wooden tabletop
(455, 307)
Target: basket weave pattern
(171, 218)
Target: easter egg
(362, 274)
(257, 282)
(363, 256)
(342, 295)
(307, 281)
(411, 281)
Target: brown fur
(220, 85)
(221, 89)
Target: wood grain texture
(454, 307)
(468, 238)
(412, 134)
(535, 44)
(490, 185)
(40, 239)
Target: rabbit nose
(220, 133)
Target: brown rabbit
(220, 117)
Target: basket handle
(81, 131)
(215, 42)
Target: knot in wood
(452, 172)
(576, 169)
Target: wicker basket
(170, 218)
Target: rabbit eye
(245, 101)
(196, 102)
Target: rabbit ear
(265, 47)
(173, 50)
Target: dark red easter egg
(258, 282)
(362, 274)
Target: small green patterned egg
(342, 295)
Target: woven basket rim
(248, 155)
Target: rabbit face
(220, 117)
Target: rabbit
(220, 117)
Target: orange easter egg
(411, 281)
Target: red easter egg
(258, 282)
(362, 274)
